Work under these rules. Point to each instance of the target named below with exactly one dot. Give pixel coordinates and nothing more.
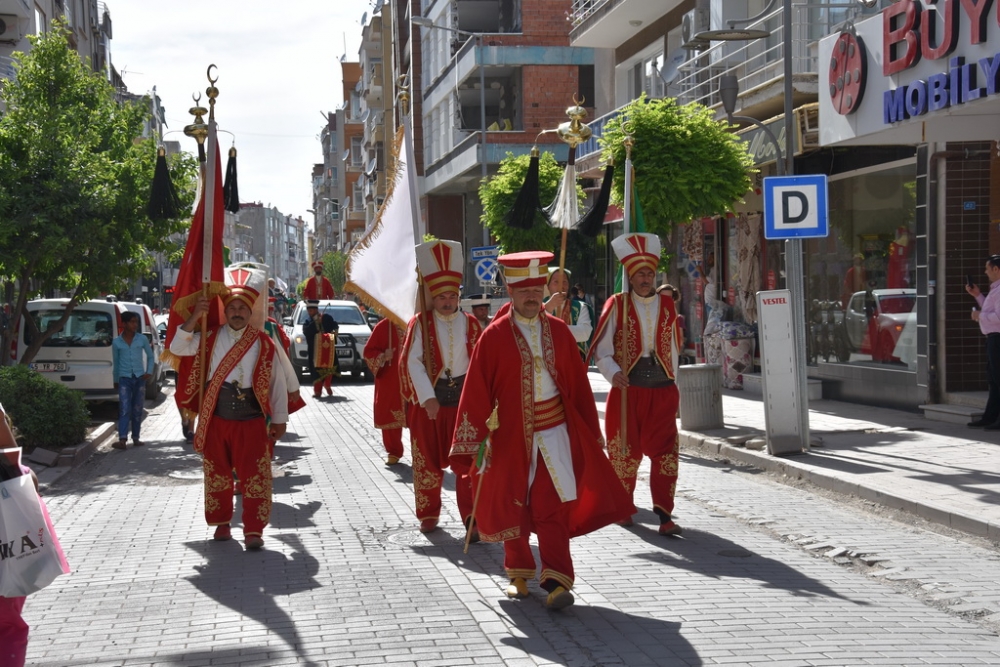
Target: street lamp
(425, 22)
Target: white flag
(382, 267)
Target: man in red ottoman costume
(318, 286)
(244, 408)
(382, 354)
(546, 471)
(638, 357)
(432, 378)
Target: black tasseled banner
(230, 189)
(527, 205)
(592, 221)
(163, 203)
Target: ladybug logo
(848, 73)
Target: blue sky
(278, 69)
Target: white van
(147, 327)
(80, 355)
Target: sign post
(795, 207)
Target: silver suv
(353, 332)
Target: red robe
(501, 372)
(388, 409)
(428, 333)
(626, 355)
(318, 287)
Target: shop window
(861, 281)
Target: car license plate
(50, 367)
(344, 353)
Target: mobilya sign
(910, 32)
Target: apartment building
(89, 22)
(327, 191)
(888, 238)
(350, 129)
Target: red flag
(201, 269)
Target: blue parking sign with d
(795, 207)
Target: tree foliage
(75, 177)
(687, 164)
(335, 269)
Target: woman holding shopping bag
(20, 510)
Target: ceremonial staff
(482, 459)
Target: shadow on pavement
(710, 555)
(598, 634)
(248, 582)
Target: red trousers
(652, 432)
(548, 517)
(430, 446)
(246, 448)
(13, 633)
(392, 438)
(319, 384)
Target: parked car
(875, 321)
(79, 356)
(147, 327)
(353, 332)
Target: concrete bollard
(700, 386)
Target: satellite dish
(671, 65)
(378, 6)
(364, 19)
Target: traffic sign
(486, 270)
(482, 253)
(795, 207)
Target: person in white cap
(641, 363)
(547, 472)
(244, 409)
(432, 374)
(480, 304)
(574, 312)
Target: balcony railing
(7, 68)
(581, 10)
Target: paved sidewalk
(946, 473)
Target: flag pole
(623, 425)
(492, 424)
(573, 132)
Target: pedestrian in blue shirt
(130, 377)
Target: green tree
(335, 269)
(687, 164)
(75, 176)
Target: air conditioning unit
(695, 21)
(9, 32)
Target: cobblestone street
(765, 573)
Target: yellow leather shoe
(391, 460)
(518, 588)
(560, 598)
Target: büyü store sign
(911, 31)
(936, 53)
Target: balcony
(22, 9)
(609, 23)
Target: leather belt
(447, 392)
(237, 403)
(549, 414)
(648, 374)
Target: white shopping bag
(30, 554)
